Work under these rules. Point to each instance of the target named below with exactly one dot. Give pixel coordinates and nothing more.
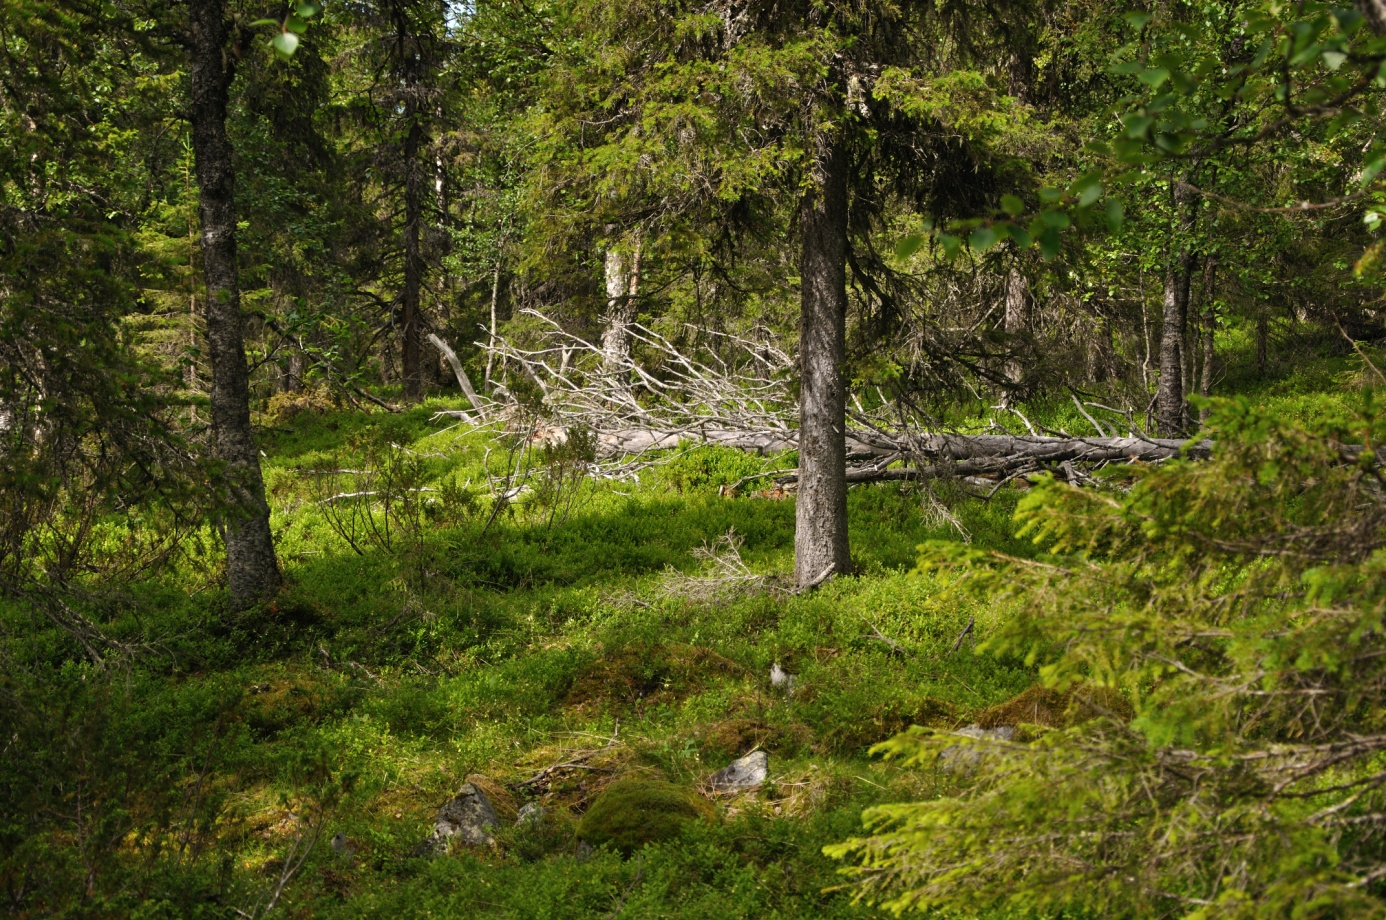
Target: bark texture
(1375, 11)
(1171, 408)
(1017, 320)
(410, 320)
(251, 568)
(622, 306)
(820, 534)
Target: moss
(1040, 705)
(634, 812)
(642, 672)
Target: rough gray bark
(251, 568)
(1017, 318)
(622, 306)
(410, 320)
(820, 533)
(1375, 11)
(292, 379)
(1171, 409)
(1210, 322)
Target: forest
(692, 458)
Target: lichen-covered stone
(467, 817)
(747, 773)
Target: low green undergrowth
(546, 646)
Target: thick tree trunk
(981, 452)
(251, 569)
(1171, 410)
(1375, 12)
(410, 320)
(292, 379)
(622, 306)
(820, 534)
(1016, 322)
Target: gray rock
(781, 679)
(967, 756)
(747, 773)
(530, 815)
(468, 817)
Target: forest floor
(596, 630)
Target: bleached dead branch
(739, 395)
(659, 397)
(725, 578)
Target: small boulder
(530, 815)
(747, 773)
(468, 816)
(966, 757)
(782, 680)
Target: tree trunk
(1171, 411)
(410, 335)
(292, 379)
(1262, 341)
(1016, 323)
(251, 568)
(1210, 322)
(820, 534)
(622, 306)
(491, 342)
(1375, 12)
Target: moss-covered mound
(634, 812)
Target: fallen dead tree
(659, 398)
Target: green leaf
(1137, 21)
(1021, 237)
(1307, 55)
(1334, 59)
(1012, 205)
(1116, 214)
(1153, 77)
(1372, 170)
(1090, 195)
(285, 44)
(296, 25)
(950, 244)
(982, 239)
(1049, 243)
(1348, 19)
(1056, 219)
(308, 10)
(1137, 125)
(910, 245)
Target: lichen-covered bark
(820, 534)
(1171, 408)
(252, 571)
